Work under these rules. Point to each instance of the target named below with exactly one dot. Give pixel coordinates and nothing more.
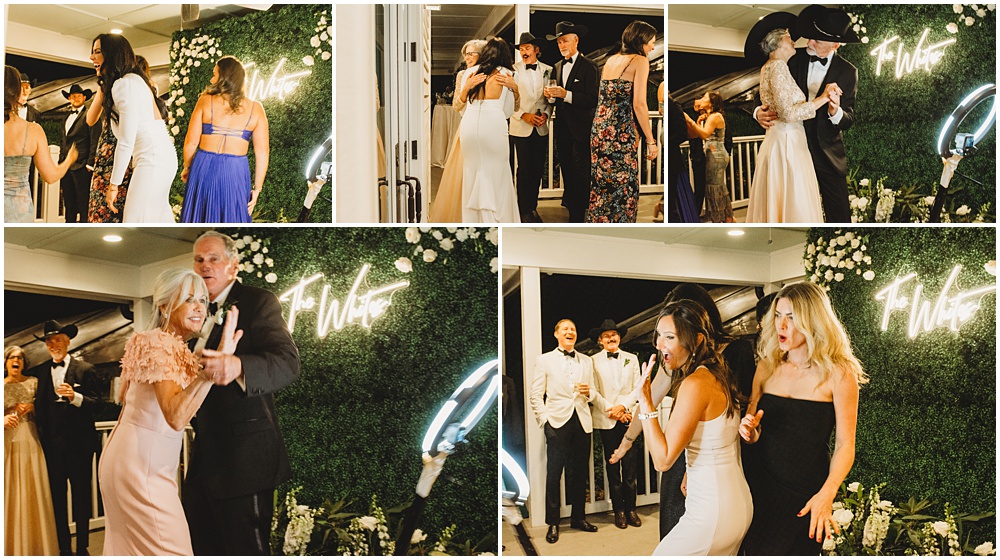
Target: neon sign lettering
(922, 57)
(358, 309)
(950, 311)
(278, 85)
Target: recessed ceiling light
(736, 232)
(116, 31)
(112, 238)
(433, 7)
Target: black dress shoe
(620, 520)
(633, 519)
(553, 534)
(535, 218)
(583, 525)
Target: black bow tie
(531, 66)
(814, 58)
(570, 354)
(213, 308)
(59, 364)
(568, 60)
(612, 355)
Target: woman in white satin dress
(705, 422)
(784, 188)
(491, 95)
(136, 115)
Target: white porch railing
(97, 512)
(650, 172)
(742, 163)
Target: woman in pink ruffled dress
(162, 388)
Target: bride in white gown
(490, 90)
(784, 188)
(705, 421)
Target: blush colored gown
(138, 470)
(718, 508)
(784, 188)
(29, 523)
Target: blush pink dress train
(138, 470)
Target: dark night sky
(42, 71)
(23, 309)
(688, 68)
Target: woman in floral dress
(614, 142)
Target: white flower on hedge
(175, 130)
(473, 233)
(307, 60)
(211, 50)
(329, 31)
(494, 265)
(314, 41)
(843, 517)
(855, 243)
(849, 264)
(447, 244)
(418, 250)
(182, 101)
(985, 549)
(864, 39)
(838, 277)
(884, 505)
(323, 37)
(404, 264)
(868, 260)
(180, 111)
(430, 255)
(957, 8)
(969, 20)
(963, 210)
(863, 29)
(269, 262)
(829, 275)
(857, 28)
(981, 12)
(824, 260)
(271, 278)
(258, 259)
(249, 267)
(325, 55)
(829, 544)
(857, 256)
(424, 229)
(418, 536)
(991, 7)
(412, 235)
(940, 527)
(952, 27)
(461, 235)
(493, 235)
(837, 505)
(260, 274)
(437, 235)
(368, 522)
(186, 79)
(255, 246)
(869, 275)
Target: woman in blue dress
(223, 125)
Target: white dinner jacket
(617, 382)
(529, 85)
(552, 398)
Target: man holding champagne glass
(561, 393)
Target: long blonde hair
(827, 343)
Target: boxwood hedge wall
(298, 125)
(898, 120)
(927, 419)
(354, 421)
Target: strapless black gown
(787, 466)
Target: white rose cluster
(322, 40)
(433, 244)
(833, 260)
(301, 520)
(980, 11)
(184, 56)
(858, 25)
(254, 259)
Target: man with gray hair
(238, 456)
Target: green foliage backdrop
(897, 122)
(354, 421)
(298, 125)
(927, 419)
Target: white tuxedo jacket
(617, 382)
(529, 85)
(552, 398)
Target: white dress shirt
(71, 119)
(566, 70)
(814, 80)
(59, 377)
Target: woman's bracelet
(630, 438)
(648, 415)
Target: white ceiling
(756, 239)
(139, 246)
(454, 24)
(717, 28)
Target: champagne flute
(551, 83)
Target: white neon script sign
(278, 85)
(951, 311)
(358, 309)
(922, 57)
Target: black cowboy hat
(528, 39)
(75, 88)
(567, 27)
(53, 328)
(768, 23)
(826, 24)
(607, 325)
(26, 80)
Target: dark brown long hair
(637, 34)
(496, 53)
(690, 320)
(119, 61)
(718, 104)
(11, 91)
(232, 81)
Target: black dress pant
(833, 192)
(621, 475)
(64, 461)
(566, 447)
(672, 501)
(75, 188)
(531, 152)
(238, 526)
(574, 160)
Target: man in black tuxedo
(30, 114)
(76, 185)
(239, 456)
(813, 68)
(65, 403)
(575, 98)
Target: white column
(357, 132)
(531, 343)
(522, 19)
